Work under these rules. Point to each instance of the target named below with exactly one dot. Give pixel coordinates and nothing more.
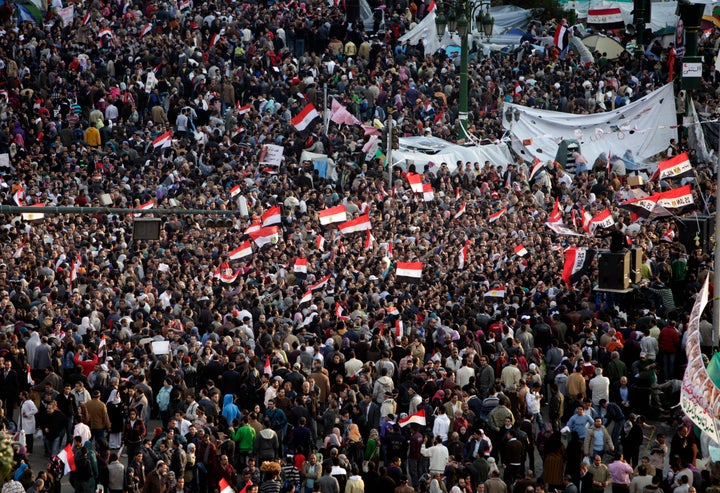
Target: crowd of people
(339, 377)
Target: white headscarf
(114, 397)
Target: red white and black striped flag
(409, 272)
(577, 263)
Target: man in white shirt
(600, 388)
(462, 376)
(438, 455)
(441, 425)
(82, 430)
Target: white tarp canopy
(424, 151)
(644, 127)
(506, 17)
(662, 13)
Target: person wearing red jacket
(86, 360)
(669, 345)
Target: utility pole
(391, 128)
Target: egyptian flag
(494, 217)
(337, 214)
(609, 163)
(267, 369)
(561, 37)
(602, 220)
(145, 30)
(214, 39)
(164, 140)
(457, 193)
(300, 267)
(461, 211)
(675, 167)
(263, 236)
(418, 418)
(496, 292)
(225, 487)
(537, 164)
(428, 194)
(555, 215)
(415, 181)
(272, 216)
(242, 251)
(399, 329)
(67, 457)
(75, 267)
(320, 284)
(184, 4)
(668, 235)
(234, 191)
(341, 247)
(243, 109)
(676, 198)
(369, 240)
(229, 278)
(362, 223)
(320, 242)
(641, 207)
(302, 120)
(33, 216)
(577, 263)
(390, 249)
(409, 272)
(586, 218)
(520, 250)
(19, 251)
(607, 18)
(146, 206)
(339, 312)
(86, 18)
(306, 299)
(253, 228)
(106, 31)
(19, 196)
(247, 485)
(462, 257)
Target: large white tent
(431, 152)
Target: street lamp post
(456, 15)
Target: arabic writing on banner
(698, 394)
(271, 155)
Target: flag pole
(326, 118)
(716, 256)
(389, 149)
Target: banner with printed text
(271, 155)
(699, 397)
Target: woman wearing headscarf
(333, 440)
(116, 411)
(190, 468)
(372, 449)
(354, 444)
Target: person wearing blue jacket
(230, 409)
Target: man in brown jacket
(320, 375)
(98, 418)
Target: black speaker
(636, 264)
(614, 270)
(696, 231)
(146, 228)
(352, 13)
